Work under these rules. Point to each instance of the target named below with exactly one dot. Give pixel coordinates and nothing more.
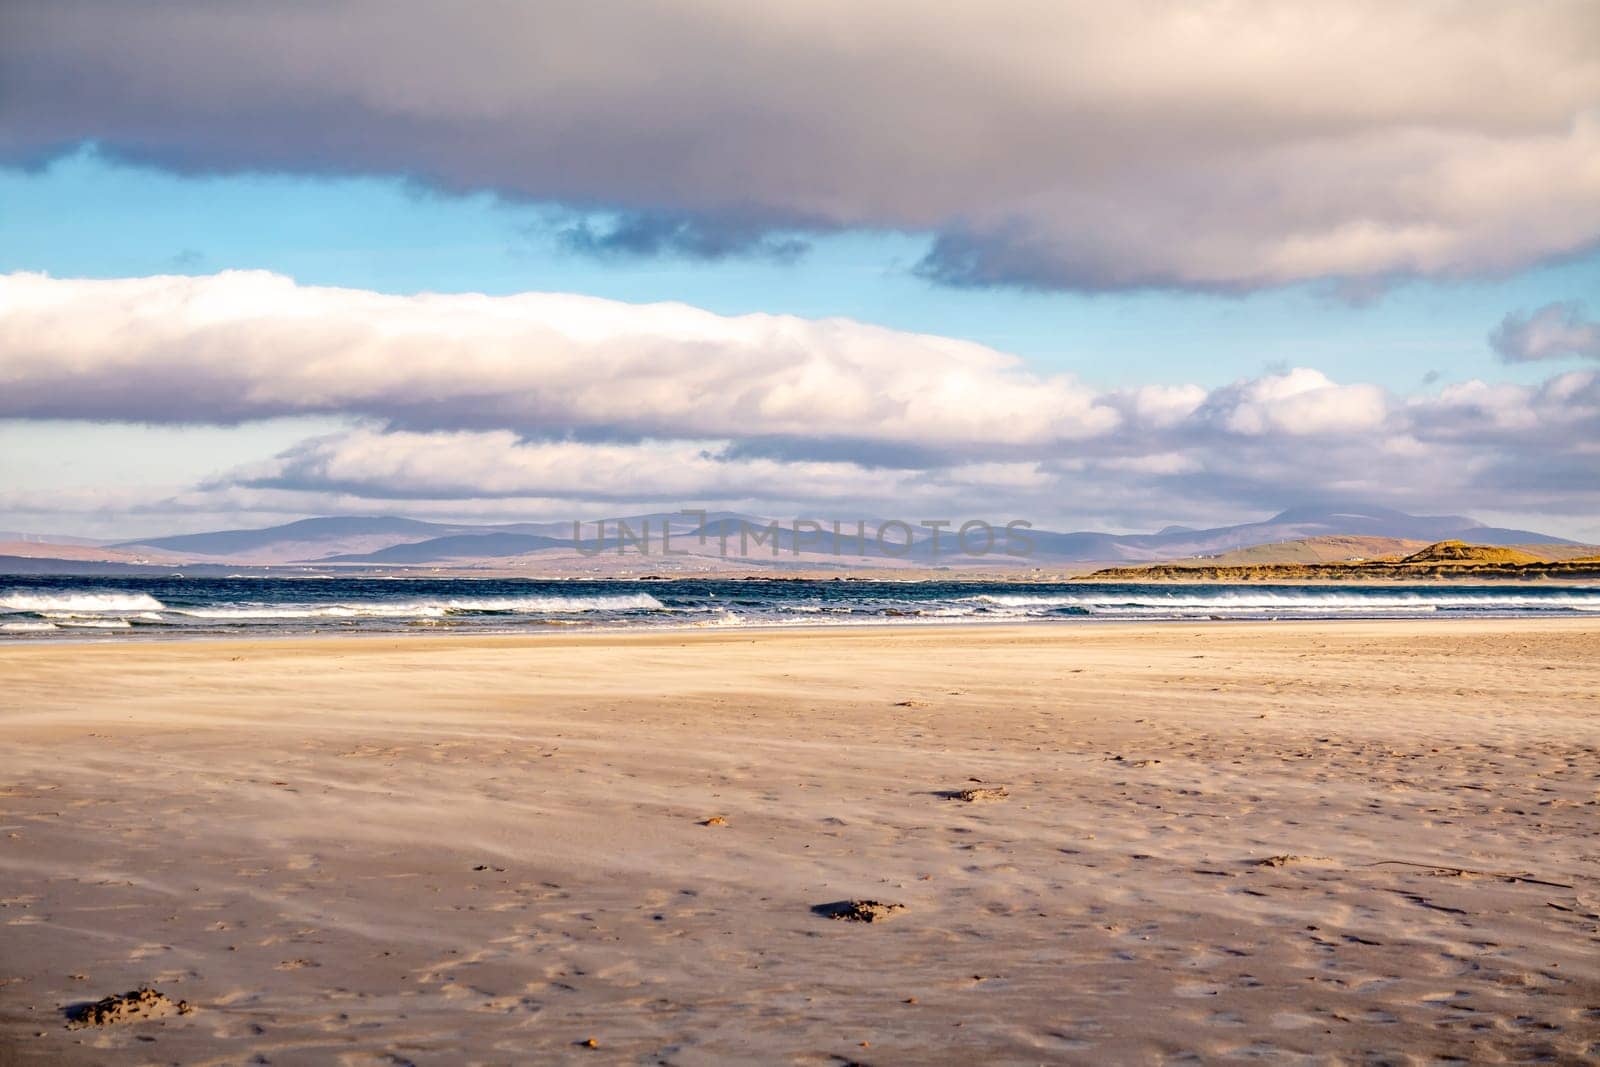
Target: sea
(36, 608)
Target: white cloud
(1078, 144)
(1163, 406)
(1299, 402)
(246, 345)
(548, 405)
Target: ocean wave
(313, 611)
(525, 605)
(42, 601)
(124, 609)
(723, 618)
(1304, 600)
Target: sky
(1095, 266)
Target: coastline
(540, 635)
(94, 611)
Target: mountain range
(344, 543)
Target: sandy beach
(1323, 842)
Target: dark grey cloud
(1068, 145)
(1555, 331)
(657, 234)
(861, 451)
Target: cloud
(245, 345)
(468, 465)
(1079, 145)
(1555, 331)
(547, 404)
(1300, 402)
(1471, 446)
(655, 234)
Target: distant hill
(363, 539)
(273, 541)
(1459, 552)
(34, 537)
(1379, 549)
(1302, 524)
(1570, 552)
(1337, 549)
(49, 550)
(39, 565)
(455, 547)
(1305, 523)
(1445, 559)
(1297, 535)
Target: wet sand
(1329, 842)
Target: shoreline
(543, 634)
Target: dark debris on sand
(136, 1005)
(859, 911)
(974, 794)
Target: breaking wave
(71, 600)
(528, 605)
(1306, 600)
(123, 609)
